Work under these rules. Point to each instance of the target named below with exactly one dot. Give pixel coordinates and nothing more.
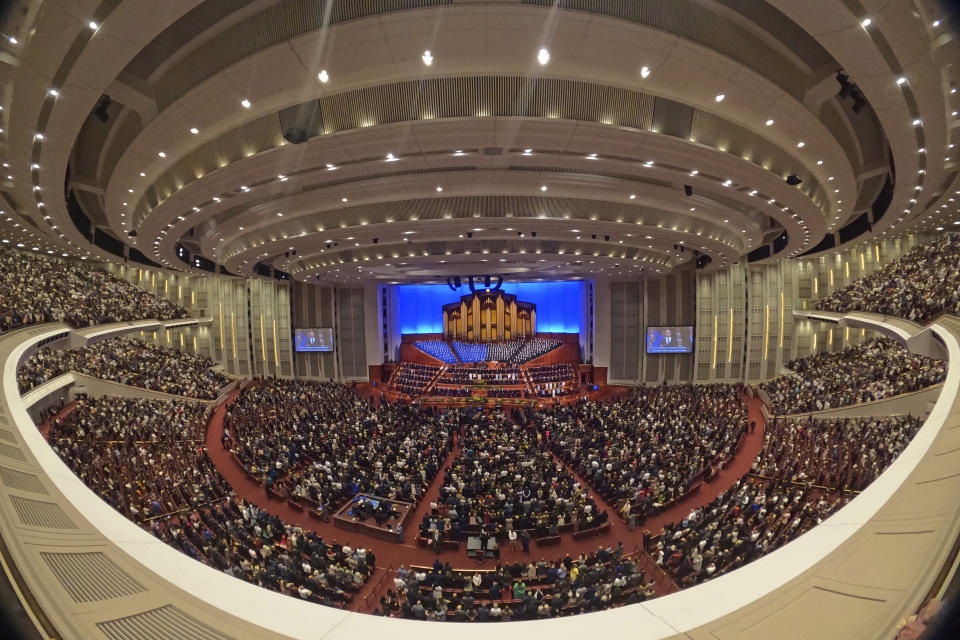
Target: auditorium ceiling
(407, 140)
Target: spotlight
(793, 180)
(687, 189)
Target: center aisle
(391, 556)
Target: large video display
(420, 306)
(670, 339)
(313, 339)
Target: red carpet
(45, 426)
(391, 556)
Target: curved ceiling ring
(676, 151)
(274, 100)
(446, 237)
(620, 220)
(892, 46)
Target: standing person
(525, 541)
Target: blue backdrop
(558, 304)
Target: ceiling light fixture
(719, 97)
(644, 72)
(427, 57)
(323, 76)
(245, 103)
(866, 22)
(543, 57)
(194, 130)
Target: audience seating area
(805, 472)
(920, 285)
(873, 370)
(146, 458)
(319, 444)
(128, 361)
(504, 480)
(652, 447)
(519, 591)
(35, 289)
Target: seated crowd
(876, 369)
(127, 361)
(519, 591)
(145, 458)
(794, 490)
(35, 289)
(412, 377)
(921, 284)
(839, 454)
(534, 348)
(439, 349)
(504, 480)
(320, 443)
(650, 448)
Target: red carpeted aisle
(390, 556)
(45, 426)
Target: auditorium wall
(633, 306)
(743, 317)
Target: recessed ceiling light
(719, 97)
(13, 40)
(644, 71)
(543, 187)
(343, 200)
(917, 122)
(902, 80)
(527, 152)
(194, 130)
(439, 189)
(935, 24)
(427, 57)
(245, 103)
(543, 57)
(866, 22)
(727, 182)
(280, 214)
(161, 154)
(323, 76)
(633, 196)
(93, 25)
(801, 144)
(769, 122)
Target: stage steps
(455, 354)
(433, 382)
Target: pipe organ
(489, 315)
